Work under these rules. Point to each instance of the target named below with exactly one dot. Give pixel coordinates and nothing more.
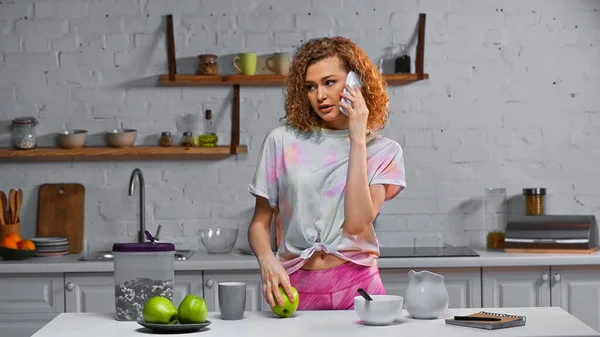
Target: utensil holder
(10, 228)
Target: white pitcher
(426, 296)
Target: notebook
(506, 321)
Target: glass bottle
(403, 61)
(209, 138)
(495, 217)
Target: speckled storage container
(142, 271)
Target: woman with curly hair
(325, 175)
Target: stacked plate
(55, 246)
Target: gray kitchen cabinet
(28, 302)
(254, 297)
(89, 292)
(516, 286)
(187, 283)
(574, 288)
(95, 292)
(463, 284)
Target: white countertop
(546, 321)
(235, 260)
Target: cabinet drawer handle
(557, 278)
(545, 277)
(209, 283)
(70, 286)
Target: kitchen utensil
(121, 137)
(218, 240)
(61, 213)
(149, 236)
(382, 310)
(71, 139)
(15, 254)
(364, 294)
(173, 328)
(3, 206)
(232, 300)
(19, 202)
(12, 205)
(476, 318)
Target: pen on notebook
(474, 318)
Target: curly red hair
(298, 111)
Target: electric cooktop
(446, 251)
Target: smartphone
(352, 80)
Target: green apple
(160, 310)
(289, 307)
(192, 310)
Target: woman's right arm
(272, 271)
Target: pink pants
(335, 288)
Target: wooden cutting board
(61, 212)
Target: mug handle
(236, 60)
(269, 64)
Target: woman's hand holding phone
(356, 110)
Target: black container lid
(143, 247)
(534, 191)
(25, 121)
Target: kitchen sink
(107, 255)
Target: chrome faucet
(137, 172)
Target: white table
(546, 321)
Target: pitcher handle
(269, 64)
(236, 60)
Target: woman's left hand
(358, 113)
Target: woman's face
(324, 83)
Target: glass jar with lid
(23, 133)
(141, 271)
(534, 200)
(207, 64)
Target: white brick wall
(512, 102)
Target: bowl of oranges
(13, 247)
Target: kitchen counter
(547, 321)
(237, 261)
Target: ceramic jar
(426, 296)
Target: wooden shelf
(261, 80)
(130, 153)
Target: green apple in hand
(160, 310)
(289, 307)
(192, 310)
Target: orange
(13, 236)
(26, 245)
(8, 242)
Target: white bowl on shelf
(120, 138)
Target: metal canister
(534, 200)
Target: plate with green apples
(161, 316)
(173, 328)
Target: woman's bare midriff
(322, 260)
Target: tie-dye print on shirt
(306, 177)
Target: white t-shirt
(305, 175)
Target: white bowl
(382, 310)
